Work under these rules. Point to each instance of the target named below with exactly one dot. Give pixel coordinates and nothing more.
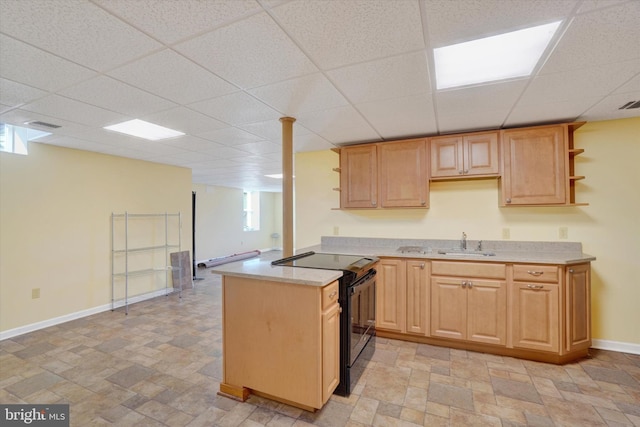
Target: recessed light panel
(145, 130)
(500, 57)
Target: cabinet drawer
(469, 269)
(536, 273)
(329, 295)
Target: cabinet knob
(422, 266)
(571, 270)
(508, 200)
(460, 172)
(470, 284)
(373, 203)
(333, 294)
(466, 171)
(464, 284)
(423, 203)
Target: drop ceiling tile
(401, 117)
(230, 136)
(4, 107)
(591, 5)
(616, 39)
(450, 22)
(236, 109)
(608, 108)
(59, 107)
(185, 120)
(262, 147)
(300, 95)
(14, 94)
(78, 31)
(336, 33)
(310, 142)
(165, 20)
(633, 85)
(469, 100)
(219, 151)
(272, 130)
(339, 125)
(393, 77)
(116, 96)
(559, 111)
(26, 64)
(465, 122)
(174, 77)
(598, 80)
(249, 53)
(189, 143)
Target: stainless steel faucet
(463, 241)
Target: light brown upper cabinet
(359, 176)
(395, 171)
(538, 165)
(465, 155)
(403, 174)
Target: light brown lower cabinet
(532, 311)
(280, 340)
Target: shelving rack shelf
(125, 244)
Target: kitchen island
(280, 332)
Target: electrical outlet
(563, 232)
(336, 230)
(506, 233)
(35, 293)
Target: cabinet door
(391, 295)
(403, 174)
(330, 351)
(487, 311)
(446, 157)
(481, 154)
(536, 316)
(358, 177)
(534, 166)
(417, 297)
(578, 307)
(448, 308)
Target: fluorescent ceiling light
(500, 57)
(276, 176)
(145, 130)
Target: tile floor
(161, 366)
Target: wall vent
(630, 105)
(43, 124)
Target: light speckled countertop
(559, 253)
(261, 269)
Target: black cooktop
(354, 263)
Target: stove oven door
(363, 313)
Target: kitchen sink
(455, 252)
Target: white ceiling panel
(451, 22)
(16, 94)
(339, 125)
(113, 95)
(237, 108)
(185, 120)
(174, 77)
(249, 53)
(616, 39)
(56, 106)
(394, 77)
(337, 33)
(592, 81)
(349, 71)
(76, 30)
(412, 115)
(170, 21)
(300, 95)
(34, 67)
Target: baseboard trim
(11, 333)
(622, 347)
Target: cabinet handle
(333, 294)
(535, 286)
(535, 272)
